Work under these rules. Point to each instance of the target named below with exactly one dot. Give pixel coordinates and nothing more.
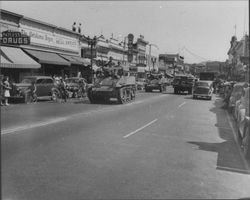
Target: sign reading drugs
(14, 38)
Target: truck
(207, 76)
(113, 85)
(182, 83)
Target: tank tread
(125, 94)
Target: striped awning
(47, 57)
(12, 57)
(71, 59)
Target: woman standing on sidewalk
(6, 90)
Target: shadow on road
(199, 99)
(229, 157)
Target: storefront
(53, 47)
(52, 50)
(16, 64)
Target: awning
(12, 57)
(84, 61)
(47, 57)
(71, 59)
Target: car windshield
(28, 80)
(202, 84)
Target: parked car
(45, 88)
(236, 94)
(203, 89)
(243, 123)
(76, 86)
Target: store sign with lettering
(49, 39)
(130, 47)
(14, 38)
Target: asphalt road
(160, 146)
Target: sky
(198, 30)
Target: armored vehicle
(182, 83)
(113, 84)
(155, 82)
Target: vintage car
(236, 94)
(203, 89)
(76, 87)
(243, 123)
(45, 88)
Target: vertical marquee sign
(130, 47)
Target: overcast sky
(204, 28)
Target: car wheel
(246, 144)
(194, 97)
(55, 95)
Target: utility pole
(235, 29)
(149, 58)
(150, 54)
(92, 43)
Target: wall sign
(14, 38)
(130, 47)
(46, 38)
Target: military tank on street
(112, 83)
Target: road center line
(181, 104)
(139, 129)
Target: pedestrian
(6, 90)
(1, 89)
(63, 90)
(33, 91)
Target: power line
(195, 55)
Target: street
(159, 146)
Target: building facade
(55, 50)
(172, 63)
(238, 59)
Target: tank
(115, 85)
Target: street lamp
(150, 55)
(92, 43)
